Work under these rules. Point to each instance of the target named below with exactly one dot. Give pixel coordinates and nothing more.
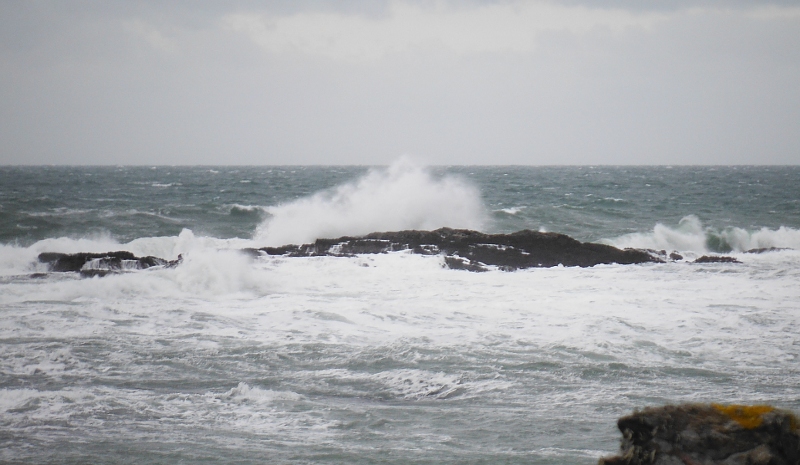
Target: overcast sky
(364, 82)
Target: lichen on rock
(695, 434)
(749, 416)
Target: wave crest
(244, 392)
(402, 196)
(691, 236)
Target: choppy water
(387, 358)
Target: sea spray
(403, 196)
(740, 239)
(691, 236)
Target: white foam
(244, 392)
(211, 273)
(247, 208)
(169, 184)
(691, 236)
(419, 384)
(402, 196)
(21, 260)
(740, 239)
(16, 398)
(403, 328)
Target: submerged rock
(767, 249)
(694, 434)
(473, 250)
(716, 259)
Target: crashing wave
(691, 235)
(402, 196)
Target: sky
(345, 82)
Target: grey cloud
(146, 83)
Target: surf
(404, 195)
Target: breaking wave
(402, 196)
(246, 393)
(691, 235)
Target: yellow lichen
(748, 416)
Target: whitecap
(402, 196)
(512, 210)
(691, 236)
(243, 392)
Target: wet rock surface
(694, 434)
(472, 250)
(767, 249)
(675, 256)
(462, 250)
(716, 259)
(100, 264)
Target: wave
(16, 259)
(205, 274)
(57, 212)
(402, 196)
(691, 236)
(511, 210)
(246, 210)
(244, 393)
(168, 184)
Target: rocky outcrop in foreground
(462, 249)
(708, 434)
(473, 250)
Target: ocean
(387, 358)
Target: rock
(74, 262)
(716, 259)
(100, 264)
(694, 434)
(767, 249)
(458, 263)
(662, 255)
(462, 249)
(475, 250)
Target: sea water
(388, 358)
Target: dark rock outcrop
(472, 250)
(695, 434)
(462, 250)
(662, 255)
(458, 263)
(766, 249)
(716, 259)
(100, 264)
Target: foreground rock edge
(694, 434)
(462, 250)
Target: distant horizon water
(420, 162)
